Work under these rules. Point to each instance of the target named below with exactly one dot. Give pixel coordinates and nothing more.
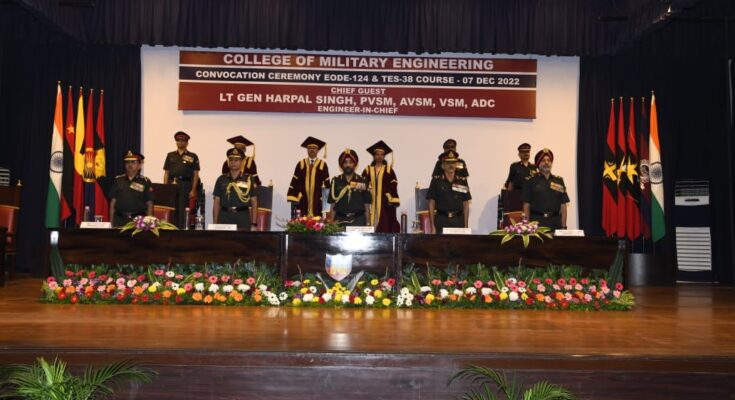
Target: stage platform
(679, 343)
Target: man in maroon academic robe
(384, 189)
(248, 163)
(309, 177)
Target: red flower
(212, 279)
(74, 299)
(603, 283)
(478, 284)
(391, 282)
(225, 278)
(521, 284)
(250, 281)
(619, 286)
(536, 281)
(436, 282)
(50, 279)
(157, 296)
(561, 282)
(548, 281)
(91, 275)
(529, 301)
(140, 278)
(584, 281)
(68, 273)
(286, 283)
(178, 299)
(61, 295)
(103, 277)
(144, 298)
(572, 281)
(448, 283)
(134, 301)
(120, 297)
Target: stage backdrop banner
(357, 84)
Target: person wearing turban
(349, 194)
(545, 196)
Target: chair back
(164, 213)
(265, 207)
(422, 209)
(9, 209)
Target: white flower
(405, 291)
(369, 300)
(486, 291)
(174, 286)
(399, 301)
(522, 290)
(132, 283)
(263, 288)
(327, 297)
(457, 292)
(156, 284)
(505, 289)
(295, 283)
(213, 288)
(443, 293)
(199, 287)
(243, 287)
(227, 288)
(409, 303)
(513, 296)
(283, 296)
(367, 291)
(425, 289)
(512, 281)
(471, 290)
(308, 297)
(312, 289)
(170, 274)
(345, 298)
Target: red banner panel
(371, 85)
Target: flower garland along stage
(475, 286)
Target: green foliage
(52, 381)
(495, 385)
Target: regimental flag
(643, 167)
(101, 206)
(656, 175)
(67, 182)
(610, 179)
(56, 165)
(79, 161)
(633, 196)
(621, 157)
(88, 173)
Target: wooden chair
(164, 213)
(510, 218)
(265, 207)
(422, 209)
(9, 210)
(512, 206)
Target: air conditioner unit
(693, 234)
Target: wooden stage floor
(680, 333)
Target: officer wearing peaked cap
(234, 196)
(545, 196)
(182, 168)
(131, 194)
(449, 196)
(521, 170)
(462, 171)
(248, 163)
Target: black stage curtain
(692, 101)
(27, 95)
(569, 27)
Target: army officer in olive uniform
(462, 171)
(545, 195)
(131, 194)
(349, 193)
(235, 199)
(449, 196)
(182, 168)
(522, 170)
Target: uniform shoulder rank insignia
(120, 176)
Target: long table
(293, 253)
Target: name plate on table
(457, 231)
(360, 229)
(569, 232)
(221, 227)
(96, 225)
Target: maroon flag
(101, 206)
(610, 179)
(621, 156)
(633, 195)
(67, 180)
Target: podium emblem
(338, 266)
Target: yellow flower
(378, 293)
(374, 282)
(360, 283)
(429, 299)
(180, 291)
(303, 290)
(503, 296)
(524, 296)
(315, 299)
(152, 288)
(306, 281)
(386, 302)
(337, 285)
(357, 300)
(296, 302)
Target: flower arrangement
(363, 290)
(477, 286)
(147, 224)
(525, 229)
(556, 288)
(313, 225)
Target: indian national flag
(655, 172)
(56, 166)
